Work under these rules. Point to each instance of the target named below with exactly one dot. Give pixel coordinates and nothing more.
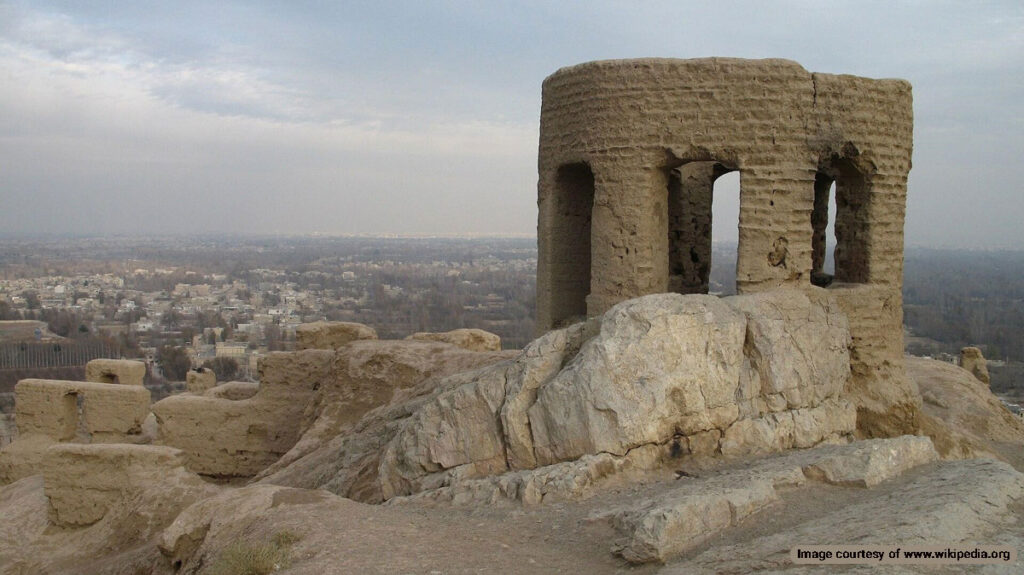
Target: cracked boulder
(685, 375)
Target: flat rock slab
(947, 503)
(679, 520)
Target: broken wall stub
(81, 411)
(629, 152)
(123, 371)
(83, 483)
(239, 435)
(198, 381)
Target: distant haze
(422, 117)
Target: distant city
(223, 301)
(181, 303)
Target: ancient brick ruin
(630, 150)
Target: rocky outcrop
(367, 375)
(304, 398)
(973, 361)
(331, 334)
(691, 374)
(963, 418)
(954, 503)
(201, 531)
(471, 339)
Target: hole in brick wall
(71, 407)
(726, 233)
(570, 242)
(840, 224)
(703, 227)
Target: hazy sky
(422, 117)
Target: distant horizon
(17, 236)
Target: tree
(174, 362)
(225, 367)
(6, 313)
(31, 299)
(171, 319)
(272, 334)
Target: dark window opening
(840, 216)
(700, 193)
(570, 242)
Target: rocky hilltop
(643, 430)
(674, 432)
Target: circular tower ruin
(630, 150)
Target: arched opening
(573, 206)
(726, 237)
(840, 217)
(823, 239)
(71, 409)
(703, 224)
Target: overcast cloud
(422, 117)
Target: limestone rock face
(662, 365)
(868, 463)
(973, 361)
(366, 375)
(686, 374)
(955, 503)
(331, 334)
(123, 371)
(471, 339)
(964, 419)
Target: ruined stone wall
(224, 434)
(629, 124)
(640, 142)
(81, 411)
(123, 371)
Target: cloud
(423, 117)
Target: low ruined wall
(226, 437)
(331, 334)
(199, 380)
(471, 339)
(66, 410)
(84, 481)
(888, 403)
(123, 371)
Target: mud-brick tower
(630, 150)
